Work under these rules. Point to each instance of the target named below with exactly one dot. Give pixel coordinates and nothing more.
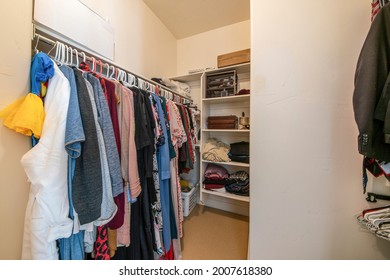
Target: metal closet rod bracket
(372, 197)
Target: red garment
(109, 86)
(169, 256)
(375, 7)
(101, 248)
(213, 186)
(112, 107)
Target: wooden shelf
(226, 130)
(240, 68)
(226, 194)
(188, 78)
(227, 99)
(231, 163)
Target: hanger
(142, 84)
(153, 88)
(84, 56)
(119, 77)
(108, 70)
(77, 57)
(60, 53)
(131, 79)
(99, 62)
(63, 53)
(93, 64)
(122, 75)
(66, 54)
(113, 72)
(57, 46)
(36, 45)
(54, 47)
(70, 56)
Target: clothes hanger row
(71, 56)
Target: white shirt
(45, 164)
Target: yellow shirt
(25, 115)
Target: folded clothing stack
(215, 177)
(216, 150)
(238, 183)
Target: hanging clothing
(157, 212)
(123, 233)
(144, 143)
(26, 115)
(112, 102)
(109, 155)
(129, 163)
(376, 5)
(163, 159)
(72, 248)
(107, 88)
(104, 120)
(178, 138)
(372, 93)
(45, 164)
(108, 206)
(87, 193)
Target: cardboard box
(234, 58)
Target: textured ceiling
(185, 18)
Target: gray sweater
(87, 181)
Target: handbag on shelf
(239, 152)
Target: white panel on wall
(74, 20)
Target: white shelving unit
(221, 106)
(224, 106)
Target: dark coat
(372, 90)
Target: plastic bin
(189, 200)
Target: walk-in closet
(192, 130)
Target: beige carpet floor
(211, 234)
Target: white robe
(45, 164)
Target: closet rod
(39, 37)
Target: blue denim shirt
(72, 248)
(163, 160)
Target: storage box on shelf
(222, 122)
(221, 84)
(234, 58)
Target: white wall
(143, 45)
(306, 181)
(15, 59)
(201, 51)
